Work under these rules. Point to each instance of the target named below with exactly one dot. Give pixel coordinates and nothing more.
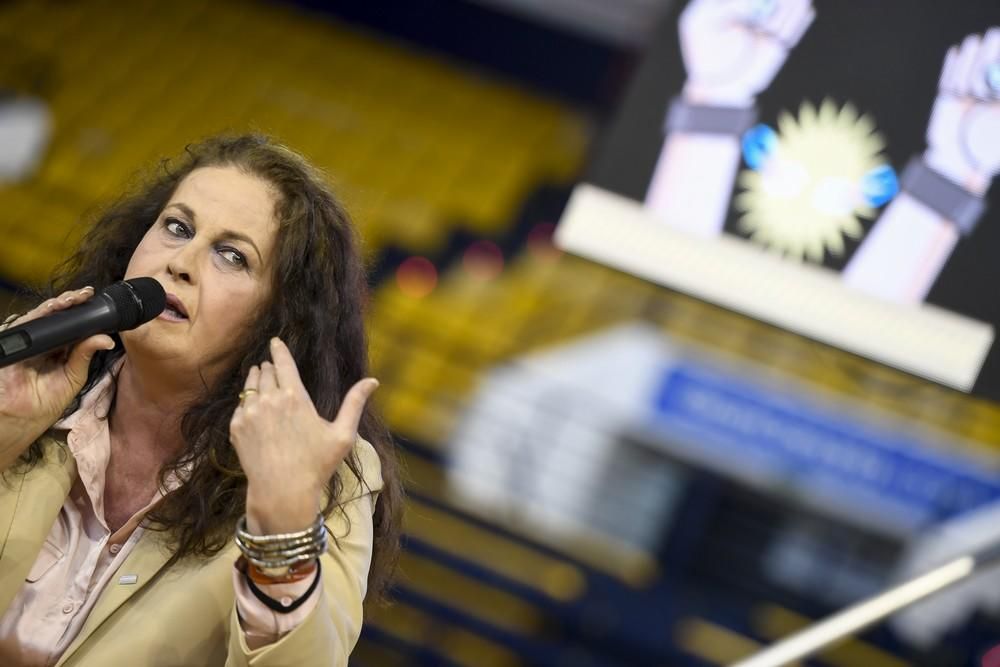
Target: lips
(175, 304)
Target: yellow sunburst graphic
(807, 192)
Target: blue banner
(801, 438)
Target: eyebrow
(226, 233)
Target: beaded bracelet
(276, 605)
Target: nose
(182, 265)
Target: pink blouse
(81, 556)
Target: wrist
(270, 514)
(942, 195)
(957, 171)
(700, 94)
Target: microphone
(119, 307)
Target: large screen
(824, 165)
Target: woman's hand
(35, 392)
(287, 450)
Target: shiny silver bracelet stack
(277, 555)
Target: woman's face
(211, 249)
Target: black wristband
(943, 196)
(683, 116)
(275, 605)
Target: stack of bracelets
(280, 559)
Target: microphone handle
(98, 315)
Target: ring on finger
(247, 392)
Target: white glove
(733, 49)
(963, 137)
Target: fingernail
(88, 288)
(373, 385)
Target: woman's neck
(146, 417)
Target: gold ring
(247, 392)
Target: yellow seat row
(417, 145)
(431, 352)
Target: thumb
(349, 417)
(79, 359)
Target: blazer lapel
(25, 522)
(146, 559)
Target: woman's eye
(177, 228)
(234, 257)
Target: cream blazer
(186, 615)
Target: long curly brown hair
(321, 290)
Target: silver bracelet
(275, 554)
(282, 553)
(279, 546)
(312, 532)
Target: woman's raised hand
(34, 392)
(287, 450)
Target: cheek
(225, 310)
(143, 260)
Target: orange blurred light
(416, 277)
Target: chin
(149, 342)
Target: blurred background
(601, 471)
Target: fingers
(797, 25)
(769, 15)
(970, 68)
(964, 64)
(987, 55)
(947, 81)
(79, 359)
(785, 20)
(251, 386)
(712, 11)
(349, 416)
(268, 380)
(270, 376)
(285, 370)
(253, 379)
(49, 306)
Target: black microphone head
(137, 301)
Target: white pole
(859, 616)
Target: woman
(130, 460)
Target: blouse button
(67, 608)
(115, 548)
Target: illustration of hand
(733, 49)
(963, 136)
